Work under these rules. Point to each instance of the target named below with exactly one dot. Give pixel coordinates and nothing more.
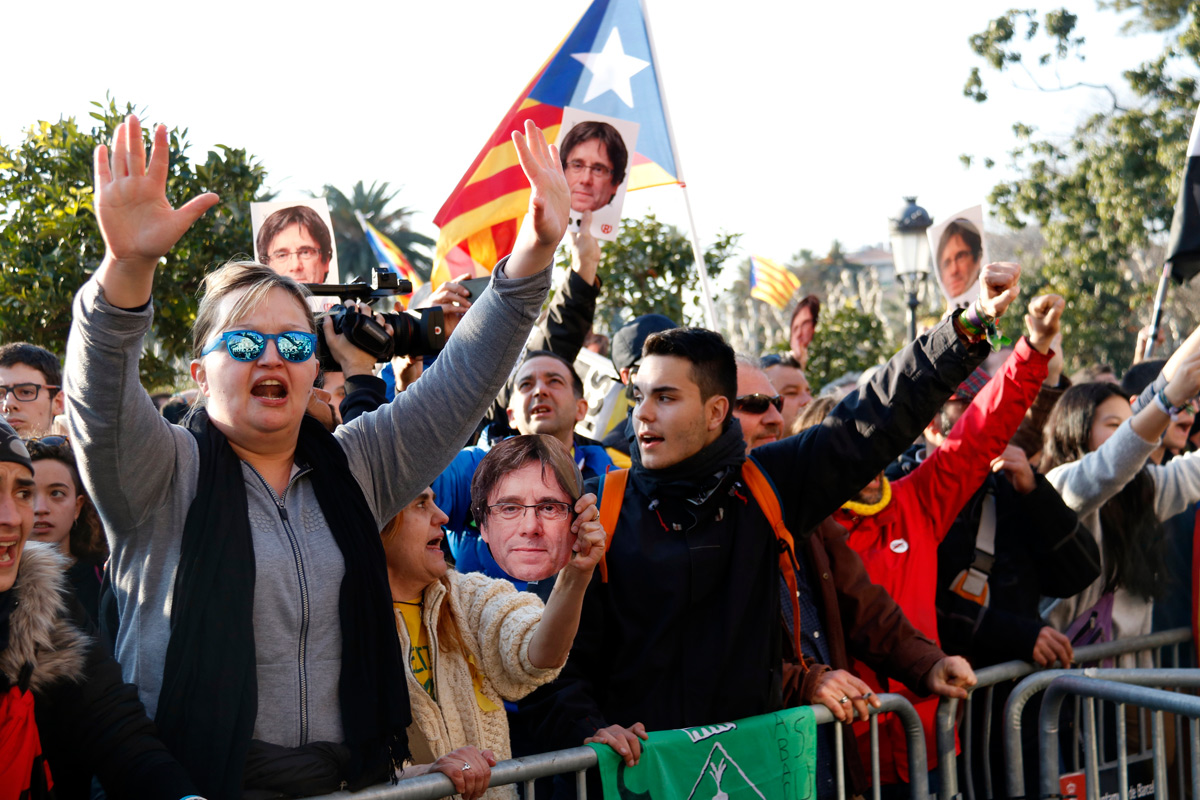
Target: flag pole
(710, 311)
(1156, 317)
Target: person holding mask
(245, 555)
(474, 641)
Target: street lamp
(910, 253)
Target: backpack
(764, 493)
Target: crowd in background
(289, 580)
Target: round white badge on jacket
(898, 545)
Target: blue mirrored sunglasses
(295, 346)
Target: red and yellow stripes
(771, 282)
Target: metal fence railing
(978, 739)
(527, 769)
(1157, 700)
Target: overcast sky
(796, 123)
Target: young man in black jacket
(685, 631)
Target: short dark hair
(1141, 375)
(965, 231)
(812, 303)
(285, 218)
(614, 146)
(510, 455)
(576, 382)
(779, 360)
(714, 366)
(31, 355)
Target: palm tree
(354, 254)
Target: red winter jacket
(899, 544)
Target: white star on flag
(611, 69)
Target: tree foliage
(650, 269)
(355, 257)
(50, 243)
(1104, 196)
(847, 340)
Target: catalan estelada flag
(605, 66)
(388, 254)
(771, 283)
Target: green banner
(772, 757)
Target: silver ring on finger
(845, 699)
(466, 766)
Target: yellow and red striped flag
(605, 66)
(772, 283)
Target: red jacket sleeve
(947, 479)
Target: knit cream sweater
(496, 623)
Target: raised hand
(1015, 465)
(550, 200)
(590, 537)
(549, 203)
(139, 226)
(454, 299)
(1042, 321)
(999, 285)
(1189, 347)
(585, 250)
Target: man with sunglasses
(758, 407)
(31, 379)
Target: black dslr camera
(416, 333)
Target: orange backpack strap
(768, 500)
(611, 497)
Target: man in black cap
(626, 355)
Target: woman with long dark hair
(1095, 454)
(64, 517)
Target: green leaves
(847, 340)
(649, 267)
(1103, 197)
(50, 243)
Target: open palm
(550, 199)
(138, 223)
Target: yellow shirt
(419, 655)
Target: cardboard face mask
(959, 255)
(528, 524)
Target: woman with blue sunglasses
(248, 574)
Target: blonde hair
(257, 280)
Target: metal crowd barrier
(1120, 693)
(989, 678)
(527, 769)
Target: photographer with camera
(247, 567)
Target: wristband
(980, 324)
(1164, 404)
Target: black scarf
(209, 698)
(697, 477)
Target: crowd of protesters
(281, 583)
